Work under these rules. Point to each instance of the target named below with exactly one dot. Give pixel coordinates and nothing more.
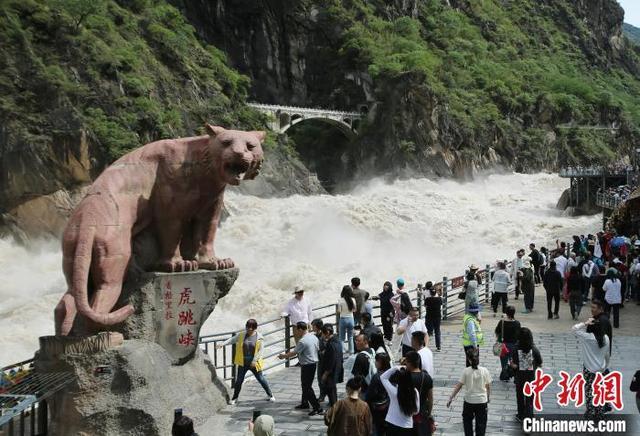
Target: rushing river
(416, 229)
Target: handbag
(462, 295)
(497, 347)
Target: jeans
(242, 371)
(553, 296)
(433, 325)
(477, 412)
(498, 297)
(575, 305)
(615, 308)
(586, 287)
(307, 374)
(346, 326)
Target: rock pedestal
(133, 386)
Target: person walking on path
(507, 331)
(472, 282)
(248, 357)
(407, 326)
(361, 297)
(516, 274)
(298, 309)
(472, 335)
(307, 352)
(426, 356)
(404, 401)
(346, 307)
(350, 416)
(528, 285)
(574, 286)
(377, 396)
(536, 261)
(423, 382)
(386, 310)
(477, 383)
(501, 282)
(552, 283)
(317, 325)
(613, 295)
(594, 345)
(589, 272)
(433, 306)
(331, 370)
(525, 359)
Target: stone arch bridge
(285, 117)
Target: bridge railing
(309, 110)
(595, 171)
(608, 201)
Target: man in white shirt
(298, 309)
(501, 282)
(516, 266)
(426, 356)
(407, 326)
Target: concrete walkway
(558, 346)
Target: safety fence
(609, 201)
(278, 333)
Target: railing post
(445, 298)
(233, 366)
(287, 338)
(487, 278)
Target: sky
(631, 11)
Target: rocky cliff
(450, 87)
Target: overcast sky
(631, 11)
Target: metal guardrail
(594, 171)
(608, 201)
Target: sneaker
(301, 406)
(316, 412)
(438, 349)
(549, 316)
(233, 402)
(556, 316)
(272, 399)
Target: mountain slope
(632, 32)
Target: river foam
(416, 229)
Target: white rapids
(417, 229)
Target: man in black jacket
(553, 283)
(331, 365)
(536, 260)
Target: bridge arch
(344, 126)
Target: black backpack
(405, 303)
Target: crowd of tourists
(389, 372)
(618, 193)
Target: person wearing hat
(298, 309)
(528, 285)
(474, 269)
(472, 335)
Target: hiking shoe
(301, 406)
(316, 412)
(272, 399)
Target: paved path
(558, 347)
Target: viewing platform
(608, 201)
(596, 171)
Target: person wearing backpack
(401, 302)
(363, 363)
(472, 335)
(525, 359)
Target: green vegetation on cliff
(632, 32)
(127, 72)
(507, 72)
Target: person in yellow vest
(248, 357)
(472, 335)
